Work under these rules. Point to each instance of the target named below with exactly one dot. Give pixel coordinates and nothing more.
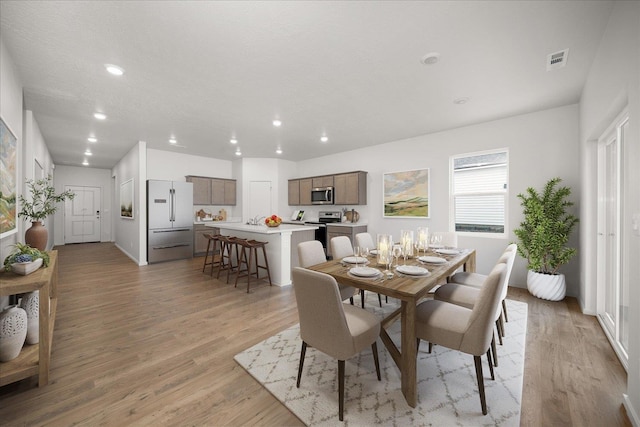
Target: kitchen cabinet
(322, 181)
(201, 190)
(33, 359)
(350, 188)
(213, 191)
(200, 242)
(306, 185)
(343, 230)
(294, 192)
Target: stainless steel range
(324, 218)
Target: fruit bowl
(273, 221)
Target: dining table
(409, 289)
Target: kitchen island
(282, 247)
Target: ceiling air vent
(557, 60)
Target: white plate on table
(364, 271)
(448, 251)
(435, 246)
(354, 260)
(412, 270)
(432, 259)
(373, 252)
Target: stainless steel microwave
(322, 196)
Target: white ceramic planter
(551, 287)
(24, 268)
(13, 331)
(31, 304)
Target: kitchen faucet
(255, 220)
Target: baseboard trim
(631, 412)
(128, 254)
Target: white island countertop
(263, 229)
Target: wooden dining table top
(401, 286)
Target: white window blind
(479, 192)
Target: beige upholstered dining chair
(476, 280)
(326, 324)
(468, 296)
(312, 253)
(364, 240)
(341, 248)
(459, 328)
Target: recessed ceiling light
(85, 163)
(278, 150)
(460, 101)
(233, 141)
(238, 152)
(100, 116)
(172, 141)
(92, 139)
(277, 123)
(114, 69)
(430, 58)
(324, 139)
(88, 153)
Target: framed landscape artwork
(406, 194)
(126, 199)
(8, 180)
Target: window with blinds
(479, 192)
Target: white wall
(85, 177)
(131, 234)
(613, 83)
(541, 146)
(258, 169)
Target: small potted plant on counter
(24, 259)
(542, 238)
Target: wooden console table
(33, 359)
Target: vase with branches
(42, 203)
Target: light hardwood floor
(154, 345)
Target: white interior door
(260, 199)
(82, 215)
(612, 301)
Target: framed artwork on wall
(126, 199)
(406, 194)
(8, 181)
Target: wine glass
(397, 252)
(356, 252)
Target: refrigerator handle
(172, 196)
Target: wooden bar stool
(212, 247)
(252, 246)
(229, 247)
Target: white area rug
(447, 389)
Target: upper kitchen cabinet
(306, 185)
(322, 181)
(350, 188)
(294, 192)
(213, 191)
(201, 190)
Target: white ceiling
(207, 71)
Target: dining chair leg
(430, 347)
(374, 349)
(341, 389)
(504, 310)
(501, 320)
(499, 331)
(490, 361)
(380, 300)
(362, 297)
(493, 350)
(351, 300)
(417, 345)
(483, 403)
(302, 353)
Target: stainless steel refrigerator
(169, 220)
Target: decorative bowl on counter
(273, 221)
(24, 268)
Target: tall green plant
(546, 228)
(43, 199)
